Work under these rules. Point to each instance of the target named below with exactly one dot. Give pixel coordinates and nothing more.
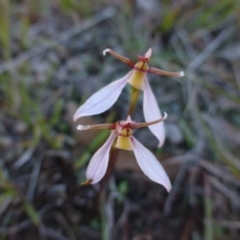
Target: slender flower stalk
(137, 78)
(133, 100)
(122, 138)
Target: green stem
(134, 95)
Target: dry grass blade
(210, 48)
(219, 172)
(227, 224)
(34, 178)
(25, 157)
(229, 193)
(176, 187)
(13, 64)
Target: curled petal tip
(165, 115)
(83, 127)
(181, 74)
(105, 51)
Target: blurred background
(51, 61)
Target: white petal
(152, 112)
(103, 99)
(99, 162)
(150, 165)
(105, 51)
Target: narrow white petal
(150, 165)
(99, 162)
(103, 99)
(152, 112)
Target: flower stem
(133, 100)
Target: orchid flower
(137, 77)
(121, 137)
